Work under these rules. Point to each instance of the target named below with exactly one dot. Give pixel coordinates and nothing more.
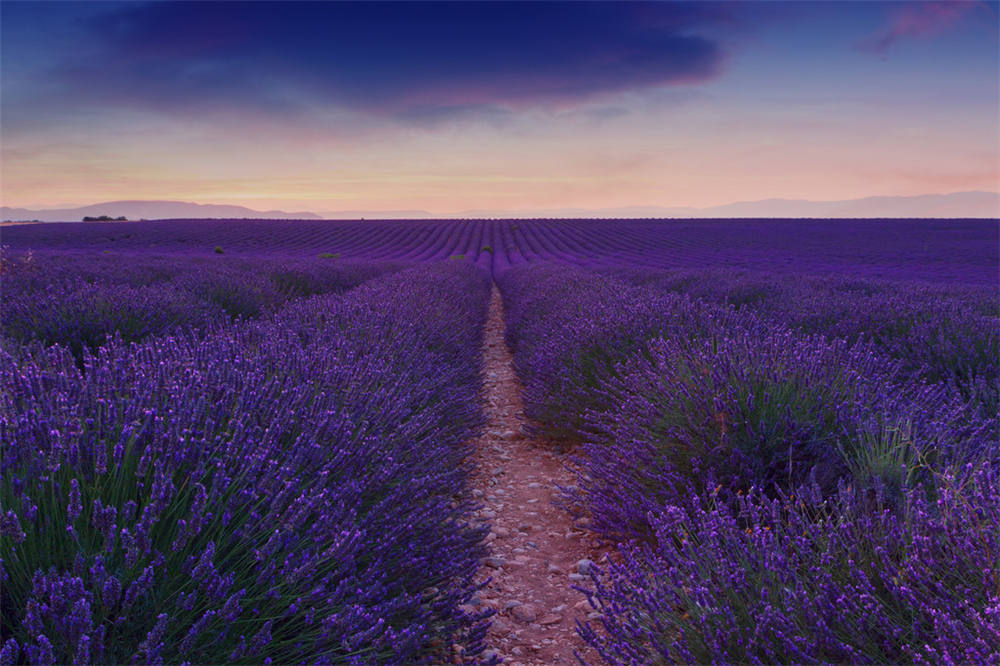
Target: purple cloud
(922, 19)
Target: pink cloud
(922, 19)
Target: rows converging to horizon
(890, 248)
(253, 441)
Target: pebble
(500, 627)
(552, 568)
(511, 604)
(524, 613)
(584, 566)
(535, 485)
(501, 532)
(559, 609)
(551, 618)
(490, 654)
(577, 577)
(508, 435)
(524, 527)
(476, 492)
(496, 562)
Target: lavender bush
(803, 579)
(83, 316)
(80, 300)
(948, 334)
(266, 492)
(569, 328)
(757, 406)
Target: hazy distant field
(933, 250)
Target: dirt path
(537, 551)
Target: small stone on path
(524, 613)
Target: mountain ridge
(970, 204)
(136, 209)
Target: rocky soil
(538, 552)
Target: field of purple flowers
(244, 441)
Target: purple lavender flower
(111, 592)
(75, 506)
(41, 653)
(10, 526)
(9, 652)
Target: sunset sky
(452, 106)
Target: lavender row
(941, 333)
(683, 404)
(275, 490)
(77, 300)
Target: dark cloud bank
(396, 59)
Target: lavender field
(249, 441)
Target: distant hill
(380, 215)
(151, 210)
(956, 204)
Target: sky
(447, 107)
